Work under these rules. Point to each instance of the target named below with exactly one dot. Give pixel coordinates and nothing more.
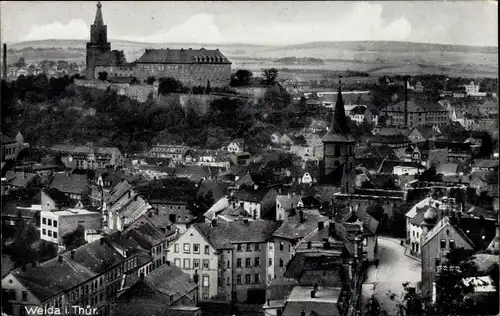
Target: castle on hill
(192, 67)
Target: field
(375, 58)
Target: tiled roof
(193, 172)
(183, 56)
(145, 233)
(294, 229)
(416, 106)
(20, 179)
(288, 201)
(324, 303)
(118, 191)
(72, 184)
(218, 189)
(250, 194)
(480, 232)
(370, 223)
(448, 168)
(220, 205)
(387, 166)
(52, 277)
(418, 219)
(427, 131)
(223, 234)
(85, 149)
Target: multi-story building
(98, 44)
(281, 247)
(90, 275)
(471, 88)
(192, 67)
(85, 157)
(419, 114)
(257, 201)
(10, 147)
(229, 257)
(178, 153)
(57, 223)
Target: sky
(251, 22)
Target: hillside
(386, 57)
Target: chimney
(315, 287)
(313, 294)
(129, 194)
(142, 276)
(255, 187)
(4, 61)
(321, 225)
(406, 101)
(156, 211)
(60, 259)
(72, 255)
(301, 214)
(164, 230)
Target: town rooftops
(52, 277)
(183, 56)
(288, 202)
(85, 149)
(223, 234)
(252, 193)
(71, 184)
(74, 212)
(388, 166)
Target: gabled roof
(387, 166)
(72, 184)
(145, 233)
(416, 106)
(443, 223)
(183, 56)
(250, 194)
(447, 168)
(220, 205)
(288, 202)
(293, 229)
(223, 234)
(20, 179)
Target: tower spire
(339, 121)
(98, 15)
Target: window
(438, 261)
(238, 247)
(270, 261)
(49, 233)
(44, 232)
(177, 262)
(187, 248)
(257, 278)
(443, 243)
(257, 262)
(187, 263)
(207, 250)
(337, 150)
(206, 264)
(24, 295)
(196, 263)
(176, 248)
(281, 246)
(227, 264)
(452, 244)
(238, 279)
(196, 248)
(257, 247)
(205, 280)
(248, 263)
(55, 234)
(281, 262)
(238, 263)
(248, 279)
(49, 222)
(44, 220)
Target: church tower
(338, 148)
(98, 44)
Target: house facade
(419, 114)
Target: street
(394, 269)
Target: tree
(431, 175)
(20, 63)
(241, 77)
(170, 85)
(270, 75)
(150, 80)
(486, 149)
(102, 75)
(134, 81)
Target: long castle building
(193, 67)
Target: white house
(236, 146)
(471, 88)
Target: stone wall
(139, 92)
(190, 75)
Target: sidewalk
(407, 248)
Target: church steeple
(339, 128)
(98, 15)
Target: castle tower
(338, 145)
(98, 44)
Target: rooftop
(183, 56)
